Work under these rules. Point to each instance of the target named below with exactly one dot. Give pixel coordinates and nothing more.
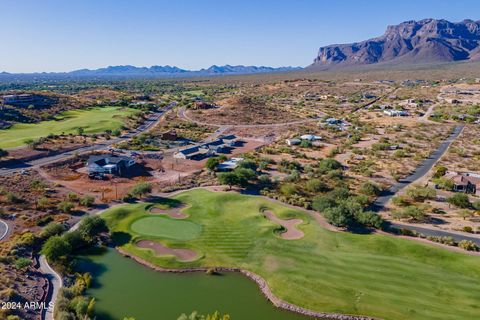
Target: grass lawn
(93, 120)
(375, 275)
(164, 227)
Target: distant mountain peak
(424, 41)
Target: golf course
(325, 271)
(93, 120)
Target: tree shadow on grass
(120, 238)
(169, 202)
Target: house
(14, 99)
(310, 137)
(25, 100)
(293, 142)
(230, 164)
(396, 113)
(467, 182)
(229, 140)
(214, 147)
(188, 153)
(111, 164)
(333, 121)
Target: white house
(310, 137)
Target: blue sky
(61, 35)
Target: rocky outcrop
(409, 42)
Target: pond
(123, 288)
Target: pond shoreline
(262, 284)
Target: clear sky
(63, 35)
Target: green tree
(370, 189)
(3, 153)
(228, 178)
(56, 249)
(316, 185)
(420, 194)
(87, 201)
(65, 206)
(248, 164)
(212, 163)
(459, 200)
(370, 219)
(80, 131)
(244, 175)
(22, 263)
(329, 164)
(52, 229)
(90, 227)
(141, 189)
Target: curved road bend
(56, 283)
(3, 229)
(422, 170)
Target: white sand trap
(161, 250)
(292, 232)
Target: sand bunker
(161, 250)
(292, 232)
(174, 213)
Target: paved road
(3, 229)
(438, 233)
(149, 123)
(56, 283)
(421, 170)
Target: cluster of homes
(208, 149)
(24, 100)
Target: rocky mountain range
(129, 71)
(410, 42)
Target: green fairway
(375, 275)
(94, 120)
(163, 227)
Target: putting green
(375, 275)
(164, 227)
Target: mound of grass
(164, 227)
(92, 120)
(375, 275)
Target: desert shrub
(52, 229)
(421, 194)
(288, 189)
(468, 245)
(316, 185)
(87, 201)
(459, 200)
(413, 213)
(370, 219)
(369, 189)
(65, 206)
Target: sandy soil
(292, 232)
(174, 213)
(161, 250)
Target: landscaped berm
(325, 271)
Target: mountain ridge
(156, 70)
(410, 42)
